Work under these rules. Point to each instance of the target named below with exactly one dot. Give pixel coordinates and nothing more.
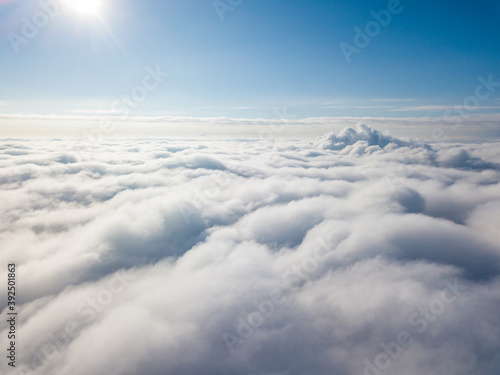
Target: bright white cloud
(230, 257)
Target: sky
(238, 187)
(245, 59)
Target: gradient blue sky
(264, 54)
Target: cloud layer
(360, 253)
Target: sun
(86, 7)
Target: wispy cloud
(249, 121)
(391, 100)
(95, 111)
(475, 126)
(357, 107)
(441, 108)
(374, 103)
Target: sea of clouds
(360, 253)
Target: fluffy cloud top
(365, 140)
(360, 254)
(362, 135)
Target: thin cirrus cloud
(165, 255)
(391, 100)
(442, 108)
(357, 107)
(447, 126)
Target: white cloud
(148, 255)
(471, 126)
(358, 107)
(442, 108)
(95, 111)
(392, 100)
(363, 136)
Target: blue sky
(261, 55)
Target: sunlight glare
(86, 7)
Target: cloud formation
(362, 253)
(445, 127)
(365, 140)
(363, 135)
